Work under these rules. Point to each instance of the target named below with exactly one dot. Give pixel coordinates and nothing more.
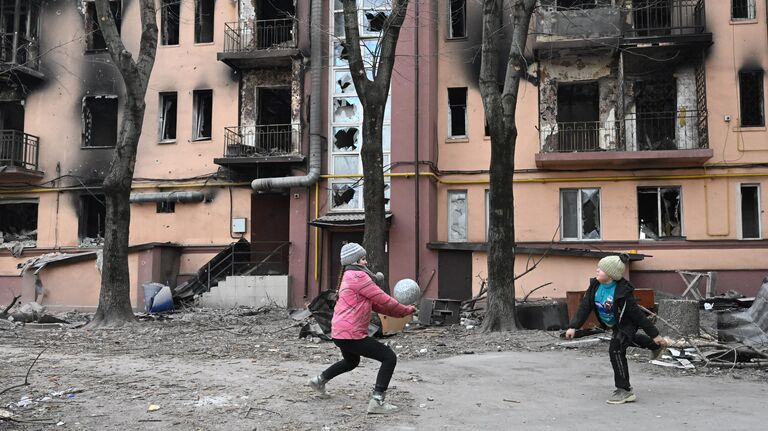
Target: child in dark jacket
(610, 297)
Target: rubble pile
(17, 241)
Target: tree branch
(26, 377)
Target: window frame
(466, 215)
(579, 215)
(162, 119)
(83, 120)
(658, 212)
(751, 10)
(450, 34)
(196, 102)
(760, 97)
(92, 27)
(197, 21)
(165, 6)
(450, 113)
(759, 211)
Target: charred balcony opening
(99, 121)
(18, 150)
(93, 213)
(18, 223)
(266, 40)
(94, 40)
(19, 38)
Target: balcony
(259, 43)
(658, 139)
(19, 156)
(250, 146)
(645, 23)
(20, 55)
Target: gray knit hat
(612, 266)
(351, 252)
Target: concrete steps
(253, 291)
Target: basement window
(203, 108)
(457, 215)
(742, 9)
(167, 114)
(169, 22)
(99, 121)
(204, 21)
(93, 213)
(18, 223)
(580, 214)
(659, 212)
(457, 112)
(458, 16)
(166, 207)
(751, 98)
(750, 211)
(94, 40)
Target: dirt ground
(239, 369)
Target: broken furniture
(692, 279)
(644, 297)
(439, 311)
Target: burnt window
(203, 105)
(169, 22)
(204, 21)
(750, 211)
(457, 110)
(93, 213)
(18, 222)
(99, 121)
(167, 116)
(458, 15)
(751, 98)
(742, 9)
(659, 212)
(166, 207)
(577, 4)
(578, 115)
(580, 214)
(94, 40)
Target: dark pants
(352, 350)
(618, 353)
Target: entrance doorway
(270, 228)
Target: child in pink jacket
(358, 295)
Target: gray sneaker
(318, 383)
(656, 353)
(621, 396)
(377, 406)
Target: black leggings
(618, 353)
(352, 350)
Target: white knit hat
(612, 266)
(351, 252)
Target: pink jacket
(358, 295)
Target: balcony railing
(666, 18)
(657, 131)
(271, 140)
(19, 149)
(259, 34)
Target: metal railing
(666, 18)
(22, 51)
(259, 34)
(654, 131)
(267, 140)
(238, 260)
(19, 149)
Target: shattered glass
(590, 213)
(344, 83)
(346, 139)
(346, 195)
(347, 110)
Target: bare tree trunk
(500, 108)
(373, 96)
(114, 298)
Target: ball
(406, 291)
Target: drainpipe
(316, 68)
(417, 198)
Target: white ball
(406, 291)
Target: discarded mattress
(750, 326)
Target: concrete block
(682, 313)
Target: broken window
(93, 213)
(203, 106)
(344, 83)
(580, 214)
(578, 116)
(742, 9)
(457, 215)
(458, 15)
(457, 111)
(578, 4)
(750, 211)
(99, 121)
(169, 22)
(166, 207)
(347, 109)
(94, 40)
(346, 139)
(659, 212)
(168, 116)
(374, 22)
(18, 222)
(204, 21)
(23, 22)
(751, 98)
(346, 195)
(656, 105)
